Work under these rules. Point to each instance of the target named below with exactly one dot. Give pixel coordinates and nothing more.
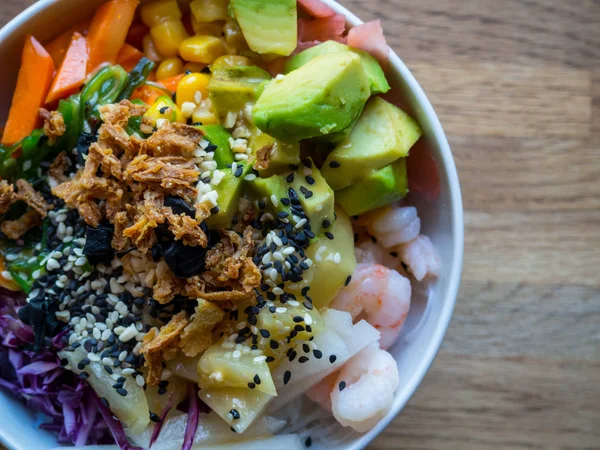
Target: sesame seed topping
(342, 385)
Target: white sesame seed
(273, 274)
(278, 256)
(36, 274)
(308, 319)
(119, 330)
(241, 157)
(127, 371)
(260, 359)
(96, 333)
(63, 316)
(115, 287)
(139, 380)
(277, 291)
(129, 333)
(301, 223)
(280, 310)
(274, 200)
(319, 208)
(250, 177)
(277, 240)
(236, 354)
(337, 258)
(122, 355)
(105, 335)
(93, 357)
(107, 361)
(198, 97)
(293, 303)
(83, 323)
(240, 326)
(121, 308)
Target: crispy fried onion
(174, 139)
(7, 196)
(120, 113)
(58, 169)
(167, 285)
(149, 215)
(263, 157)
(15, 229)
(38, 208)
(54, 124)
(158, 342)
(197, 336)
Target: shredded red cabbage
(193, 418)
(158, 427)
(115, 427)
(62, 402)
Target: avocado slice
(282, 154)
(321, 98)
(219, 137)
(315, 195)
(265, 188)
(379, 188)
(230, 190)
(232, 88)
(379, 84)
(269, 26)
(383, 134)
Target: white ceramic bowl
(442, 221)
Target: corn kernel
(208, 28)
(170, 67)
(189, 85)
(201, 49)
(231, 61)
(209, 10)
(160, 11)
(168, 36)
(204, 116)
(234, 37)
(150, 50)
(164, 109)
(194, 67)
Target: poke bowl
(225, 225)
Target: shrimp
(321, 392)
(392, 225)
(364, 389)
(421, 257)
(379, 295)
(368, 252)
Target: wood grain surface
(516, 84)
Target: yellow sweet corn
(160, 11)
(231, 61)
(169, 68)
(168, 36)
(205, 116)
(189, 85)
(150, 50)
(208, 28)
(201, 49)
(194, 67)
(209, 10)
(164, 109)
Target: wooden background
(517, 86)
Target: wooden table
(517, 86)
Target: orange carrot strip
(72, 71)
(108, 31)
(58, 47)
(128, 57)
(33, 83)
(171, 83)
(147, 94)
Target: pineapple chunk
(222, 367)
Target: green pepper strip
(136, 78)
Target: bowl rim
(456, 215)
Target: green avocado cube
(281, 154)
(375, 74)
(270, 191)
(315, 195)
(219, 137)
(269, 26)
(230, 190)
(321, 98)
(379, 188)
(383, 134)
(231, 88)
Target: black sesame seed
(299, 328)
(332, 359)
(342, 385)
(163, 384)
(269, 359)
(273, 344)
(282, 214)
(122, 392)
(154, 417)
(235, 414)
(348, 280)
(251, 385)
(298, 319)
(265, 334)
(256, 379)
(239, 171)
(305, 290)
(84, 375)
(310, 180)
(308, 442)
(306, 348)
(261, 204)
(318, 354)
(215, 210)
(334, 164)
(290, 178)
(308, 305)
(302, 359)
(163, 109)
(285, 201)
(329, 235)
(394, 254)
(287, 376)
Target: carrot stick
(128, 57)
(72, 71)
(59, 46)
(171, 83)
(147, 94)
(33, 83)
(108, 31)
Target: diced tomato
(369, 37)
(329, 28)
(316, 8)
(423, 171)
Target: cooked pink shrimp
(421, 257)
(379, 295)
(321, 392)
(369, 252)
(364, 389)
(392, 225)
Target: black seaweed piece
(7, 370)
(184, 261)
(83, 146)
(98, 244)
(40, 315)
(180, 206)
